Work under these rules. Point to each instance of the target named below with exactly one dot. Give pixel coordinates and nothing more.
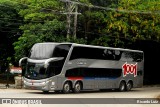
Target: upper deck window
(95, 53)
(105, 54)
(61, 50)
(42, 51)
(45, 51)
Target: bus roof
(92, 46)
(102, 47)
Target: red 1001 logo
(129, 69)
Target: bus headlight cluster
(53, 83)
(43, 83)
(24, 82)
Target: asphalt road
(147, 92)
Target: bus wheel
(66, 87)
(45, 92)
(129, 86)
(122, 86)
(77, 88)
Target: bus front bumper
(44, 86)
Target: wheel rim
(122, 86)
(78, 87)
(66, 87)
(129, 86)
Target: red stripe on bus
(75, 78)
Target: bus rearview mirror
(21, 60)
(46, 63)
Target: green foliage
(33, 33)
(134, 20)
(79, 40)
(42, 21)
(40, 25)
(9, 30)
(102, 41)
(139, 24)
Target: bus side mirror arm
(20, 61)
(46, 63)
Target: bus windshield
(37, 71)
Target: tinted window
(83, 52)
(45, 51)
(110, 54)
(37, 71)
(105, 54)
(132, 56)
(55, 68)
(93, 72)
(42, 51)
(137, 57)
(95, 53)
(61, 51)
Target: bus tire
(66, 87)
(122, 86)
(129, 86)
(45, 92)
(77, 87)
(57, 91)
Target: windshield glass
(42, 51)
(37, 71)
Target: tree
(9, 30)
(93, 21)
(126, 22)
(134, 20)
(42, 24)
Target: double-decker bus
(71, 67)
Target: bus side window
(125, 56)
(118, 54)
(75, 53)
(112, 54)
(61, 51)
(138, 57)
(132, 56)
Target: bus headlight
(53, 83)
(43, 83)
(24, 81)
